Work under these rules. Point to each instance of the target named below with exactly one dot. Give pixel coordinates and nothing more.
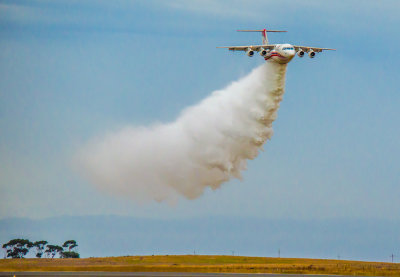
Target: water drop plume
(207, 145)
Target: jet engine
(300, 53)
(249, 52)
(311, 54)
(263, 52)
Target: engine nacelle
(249, 52)
(264, 52)
(311, 54)
(300, 53)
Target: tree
(39, 247)
(52, 250)
(69, 245)
(17, 248)
(69, 254)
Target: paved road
(149, 274)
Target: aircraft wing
(252, 47)
(307, 48)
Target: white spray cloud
(207, 145)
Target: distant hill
(100, 236)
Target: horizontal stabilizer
(273, 31)
(263, 33)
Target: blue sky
(73, 70)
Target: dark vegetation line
(19, 248)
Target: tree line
(19, 248)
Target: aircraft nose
(292, 53)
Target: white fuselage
(278, 53)
(282, 53)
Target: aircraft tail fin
(263, 33)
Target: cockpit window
(288, 48)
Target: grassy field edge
(204, 263)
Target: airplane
(280, 53)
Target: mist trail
(207, 145)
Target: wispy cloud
(123, 15)
(240, 8)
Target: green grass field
(200, 263)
